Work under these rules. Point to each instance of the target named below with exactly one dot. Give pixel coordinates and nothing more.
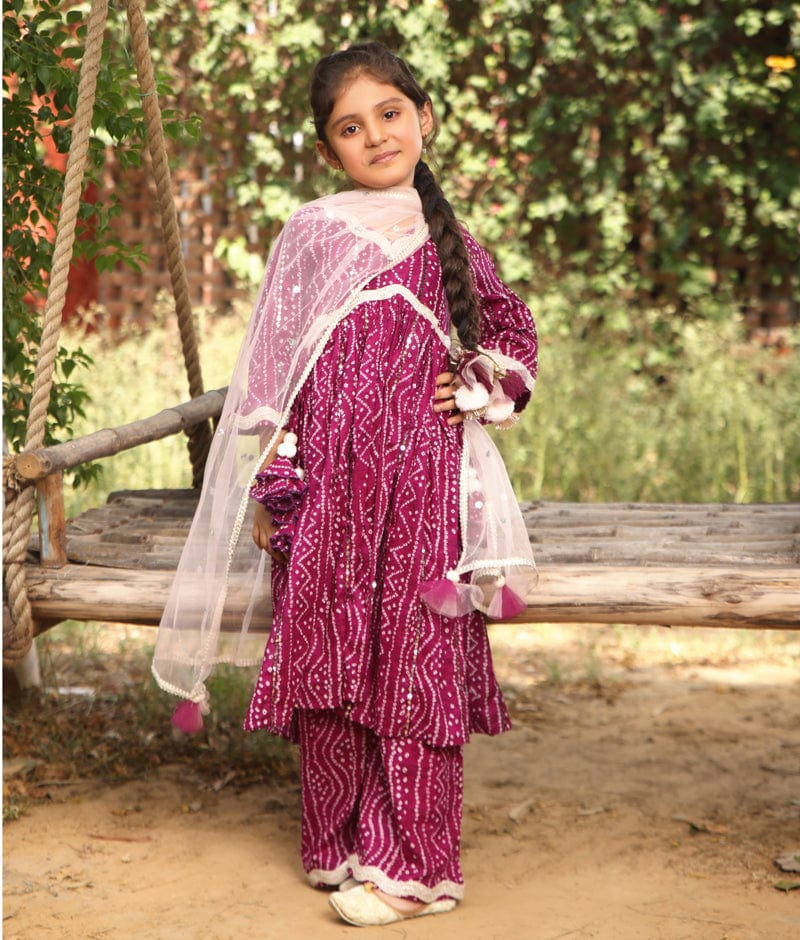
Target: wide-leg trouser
(385, 810)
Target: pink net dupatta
(496, 571)
(327, 252)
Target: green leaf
(787, 885)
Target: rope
(18, 627)
(200, 435)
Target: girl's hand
(443, 397)
(263, 528)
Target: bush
(716, 423)
(651, 149)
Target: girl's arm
(263, 526)
(506, 321)
(507, 328)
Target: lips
(384, 157)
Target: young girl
(380, 327)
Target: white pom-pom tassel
(452, 576)
(499, 412)
(287, 450)
(290, 438)
(471, 399)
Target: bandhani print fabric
(381, 517)
(383, 810)
(402, 534)
(407, 529)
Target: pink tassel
(446, 597)
(483, 375)
(505, 604)
(512, 385)
(188, 718)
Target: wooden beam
(87, 592)
(52, 521)
(35, 464)
(759, 597)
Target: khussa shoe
(363, 908)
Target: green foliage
(716, 423)
(42, 50)
(649, 148)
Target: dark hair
(377, 61)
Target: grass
(716, 424)
(139, 374)
(99, 716)
(719, 426)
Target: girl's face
(375, 134)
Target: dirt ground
(645, 792)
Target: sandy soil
(633, 800)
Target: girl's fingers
(445, 385)
(257, 535)
(263, 528)
(444, 400)
(443, 396)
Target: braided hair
(330, 74)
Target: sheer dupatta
(327, 252)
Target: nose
(375, 133)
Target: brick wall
(206, 212)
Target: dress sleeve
(508, 333)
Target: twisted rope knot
(13, 483)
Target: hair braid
(456, 273)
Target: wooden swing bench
(695, 565)
(702, 565)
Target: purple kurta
(381, 516)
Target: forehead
(363, 94)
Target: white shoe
(361, 907)
(348, 884)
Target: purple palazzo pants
(385, 810)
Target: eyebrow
(352, 117)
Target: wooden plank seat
(694, 565)
(702, 565)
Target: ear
(426, 118)
(328, 155)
